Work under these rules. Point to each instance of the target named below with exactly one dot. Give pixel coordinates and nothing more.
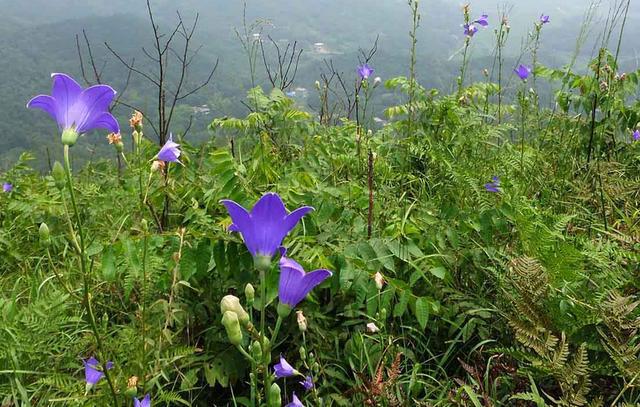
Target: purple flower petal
(523, 71)
(146, 402)
(307, 383)
(91, 106)
(483, 20)
(65, 91)
(295, 284)
(365, 71)
(283, 369)
(170, 152)
(264, 228)
(46, 103)
(7, 187)
(295, 402)
(636, 135)
(91, 374)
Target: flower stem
(85, 274)
(276, 331)
(266, 356)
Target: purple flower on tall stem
(77, 110)
(7, 187)
(91, 373)
(264, 228)
(295, 402)
(636, 136)
(544, 19)
(470, 30)
(295, 284)
(284, 369)
(483, 20)
(523, 71)
(307, 383)
(170, 151)
(365, 71)
(494, 185)
(145, 402)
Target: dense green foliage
(524, 297)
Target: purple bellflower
(295, 402)
(77, 110)
(145, 402)
(91, 373)
(545, 19)
(494, 185)
(295, 284)
(307, 383)
(284, 369)
(636, 137)
(170, 151)
(523, 71)
(483, 20)
(365, 71)
(470, 30)
(264, 228)
(7, 187)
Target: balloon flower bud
(379, 280)
(57, 172)
(275, 399)
(249, 293)
(45, 237)
(302, 321)
(232, 326)
(303, 353)
(232, 303)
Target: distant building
(204, 109)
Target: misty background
(39, 37)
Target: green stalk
(144, 304)
(85, 274)
(266, 352)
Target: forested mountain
(41, 38)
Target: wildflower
(116, 140)
(636, 135)
(284, 369)
(544, 19)
(494, 185)
(7, 187)
(132, 381)
(77, 110)
(145, 402)
(302, 321)
(170, 152)
(295, 284)
(307, 383)
(264, 228)
(136, 121)
(523, 71)
(483, 20)
(379, 280)
(372, 328)
(365, 71)
(470, 30)
(295, 402)
(91, 374)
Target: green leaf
(422, 311)
(439, 272)
(109, 265)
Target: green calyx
(69, 137)
(262, 263)
(283, 310)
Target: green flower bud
(249, 293)
(303, 353)
(283, 310)
(383, 314)
(275, 400)
(256, 350)
(69, 137)
(58, 175)
(232, 326)
(45, 237)
(232, 303)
